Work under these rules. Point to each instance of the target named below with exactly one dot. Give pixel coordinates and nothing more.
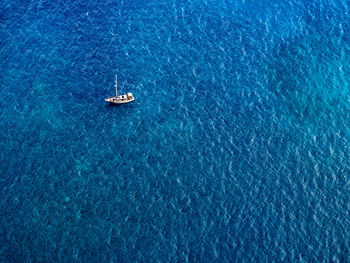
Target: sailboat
(121, 99)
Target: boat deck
(121, 99)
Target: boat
(121, 99)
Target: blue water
(235, 150)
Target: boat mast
(116, 85)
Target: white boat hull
(120, 100)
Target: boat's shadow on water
(130, 105)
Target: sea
(236, 148)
